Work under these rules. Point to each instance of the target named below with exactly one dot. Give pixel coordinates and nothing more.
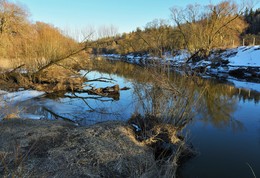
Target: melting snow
(16, 97)
(245, 56)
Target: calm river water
(225, 124)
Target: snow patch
(31, 116)
(248, 56)
(19, 96)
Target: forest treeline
(196, 28)
(252, 33)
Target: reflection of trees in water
(218, 104)
(249, 95)
(178, 99)
(166, 99)
(140, 74)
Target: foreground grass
(30, 148)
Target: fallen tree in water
(60, 149)
(57, 79)
(51, 80)
(110, 92)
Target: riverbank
(42, 148)
(240, 66)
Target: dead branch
(99, 98)
(20, 66)
(58, 116)
(59, 60)
(102, 79)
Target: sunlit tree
(14, 28)
(212, 26)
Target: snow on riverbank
(243, 56)
(19, 96)
(246, 56)
(9, 102)
(240, 65)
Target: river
(220, 121)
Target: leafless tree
(107, 31)
(208, 27)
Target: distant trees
(252, 17)
(157, 36)
(50, 45)
(13, 19)
(107, 31)
(196, 28)
(252, 33)
(155, 39)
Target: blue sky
(127, 15)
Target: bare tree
(157, 35)
(12, 18)
(208, 27)
(14, 27)
(107, 31)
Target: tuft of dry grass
(170, 150)
(8, 112)
(57, 78)
(11, 116)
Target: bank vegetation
(35, 53)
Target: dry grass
(5, 64)
(12, 163)
(59, 149)
(170, 149)
(14, 115)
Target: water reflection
(173, 98)
(216, 95)
(218, 104)
(173, 108)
